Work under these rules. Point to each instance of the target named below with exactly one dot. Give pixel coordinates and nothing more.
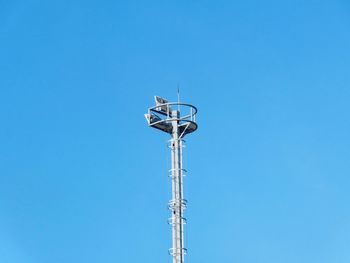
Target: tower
(177, 119)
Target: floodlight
(152, 118)
(163, 108)
(160, 100)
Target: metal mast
(165, 118)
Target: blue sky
(82, 177)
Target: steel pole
(177, 202)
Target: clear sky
(82, 177)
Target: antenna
(164, 118)
(178, 96)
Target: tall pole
(177, 204)
(163, 117)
